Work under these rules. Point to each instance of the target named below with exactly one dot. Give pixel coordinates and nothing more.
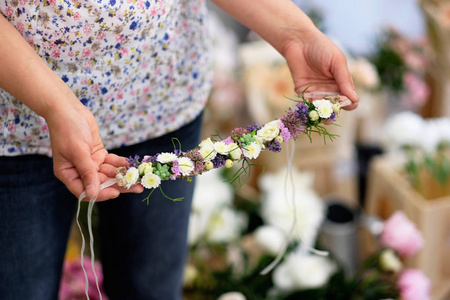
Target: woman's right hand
(80, 160)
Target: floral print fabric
(140, 66)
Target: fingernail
(355, 94)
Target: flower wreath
(243, 144)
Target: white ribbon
(104, 185)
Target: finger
(108, 170)
(115, 160)
(71, 180)
(88, 171)
(344, 81)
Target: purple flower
(274, 146)
(219, 160)
(293, 123)
(228, 140)
(133, 161)
(302, 112)
(284, 132)
(175, 170)
(194, 155)
(199, 167)
(250, 128)
(146, 158)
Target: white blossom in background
(211, 195)
(224, 226)
(277, 209)
(232, 296)
(270, 238)
(403, 129)
(302, 271)
(442, 126)
(431, 136)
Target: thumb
(345, 83)
(88, 171)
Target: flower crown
(243, 144)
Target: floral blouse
(140, 66)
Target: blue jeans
(142, 248)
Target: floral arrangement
(233, 238)
(401, 64)
(425, 146)
(243, 144)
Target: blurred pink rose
(414, 285)
(73, 281)
(402, 235)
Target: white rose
(324, 108)
(206, 142)
(389, 261)
(131, 177)
(270, 238)
(234, 151)
(269, 131)
(186, 165)
(207, 152)
(221, 147)
(299, 271)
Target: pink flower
(402, 235)
(414, 285)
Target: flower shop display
(390, 191)
(401, 65)
(230, 268)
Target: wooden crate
(388, 191)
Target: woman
(81, 80)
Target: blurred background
(368, 215)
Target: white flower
(270, 238)
(253, 150)
(313, 115)
(269, 131)
(145, 168)
(206, 142)
(166, 157)
(389, 261)
(186, 165)
(234, 151)
(221, 147)
(232, 296)
(131, 177)
(300, 271)
(306, 208)
(211, 193)
(208, 153)
(223, 226)
(324, 108)
(403, 129)
(150, 181)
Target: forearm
(27, 77)
(276, 21)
